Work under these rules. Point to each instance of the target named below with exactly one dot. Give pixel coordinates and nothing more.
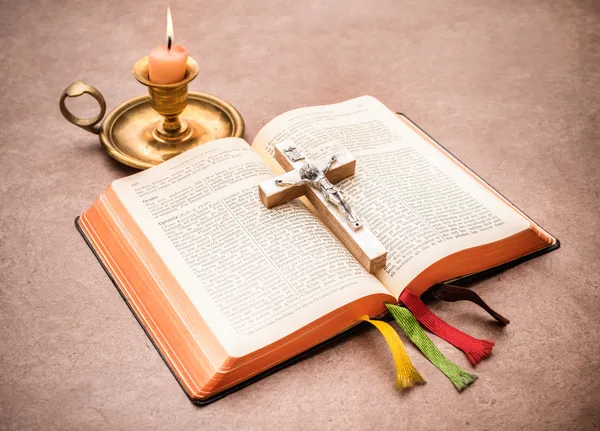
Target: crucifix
(307, 178)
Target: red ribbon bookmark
(475, 349)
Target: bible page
(255, 274)
(419, 203)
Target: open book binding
(229, 291)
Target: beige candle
(167, 64)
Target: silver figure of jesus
(315, 177)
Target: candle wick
(169, 42)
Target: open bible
(228, 289)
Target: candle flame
(170, 33)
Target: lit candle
(167, 64)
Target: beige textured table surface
(512, 87)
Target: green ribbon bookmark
(411, 327)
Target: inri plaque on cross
(316, 180)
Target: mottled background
(512, 87)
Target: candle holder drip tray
(129, 135)
(131, 132)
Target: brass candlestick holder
(169, 101)
(147, 130)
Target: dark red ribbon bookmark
(451, 293)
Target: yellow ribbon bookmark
(406, 374)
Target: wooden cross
(358, 239)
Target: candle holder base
(133, 132)
(182, 135)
